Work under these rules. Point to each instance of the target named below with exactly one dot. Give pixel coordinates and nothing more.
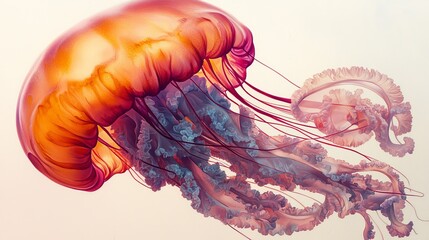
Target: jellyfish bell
(152, 87)
(91, 75)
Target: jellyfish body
(151, 86)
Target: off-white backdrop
(298, 38)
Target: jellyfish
(160, 89)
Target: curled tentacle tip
(349, 119)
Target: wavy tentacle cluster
(179, 136)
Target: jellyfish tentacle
(349, 119)
(234, 202)
(345, 190)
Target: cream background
(297, 38)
